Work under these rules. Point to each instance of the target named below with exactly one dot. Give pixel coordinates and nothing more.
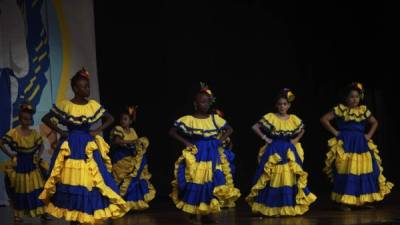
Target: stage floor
(162, 212)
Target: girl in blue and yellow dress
(280, 184)
(203, 181)
(130, 168)
(24, 178)
(80, 187)
(353, 163)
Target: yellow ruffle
(225, 195)
(119, 131)
(141, 205)
(122, 168)
(32, 213)
(117, 207)
(335, 147)
(203, 127)
(81, 217)
(278, 126)
(76, 173)
(23, 143)
(202, 172)
(25, 182)
(137, 205)
(279, 211)
(78, 114)
(352, 114)
(202, 209)
(299, 149)
(357, 200)
(271, 167)
(146, 175)
(384, 186)
(128, 167)
(346, 163)
(104, 149)
(339, 157)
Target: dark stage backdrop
(154, 54)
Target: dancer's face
(125, 121)
(202, 103)
(282, 105)
(25, 119)
(353, 99)
(82, 88)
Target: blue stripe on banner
(36, 38)
(5, 100)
